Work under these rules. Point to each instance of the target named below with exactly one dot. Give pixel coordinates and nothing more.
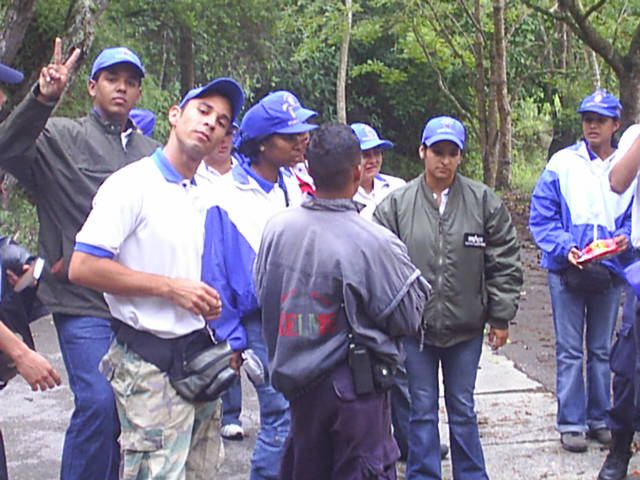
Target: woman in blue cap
(374, 186)
(572, 205)
(460, 236)
(273, 137)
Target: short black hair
(333, 152)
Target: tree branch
(593, 8)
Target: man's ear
(616, 124)
(422, 151)
(174, 114)
(91, 87)
(357, 174)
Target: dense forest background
(512, 71)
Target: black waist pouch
(591, 278)
(197, 366)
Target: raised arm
(626, 167)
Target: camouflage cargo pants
(162, 435)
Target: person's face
(202, 124)
(284, 149)
(220, 155)
(371, 164)
(3, 98)
(115, 91)
(441, 161)
(598, 129)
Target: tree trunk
(341, 80)
(503, 177)
(594, 67)
(16, 20)
(187, 76)
(630, 99)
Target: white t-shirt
(626, 140)
(147, 217)
(383, 185)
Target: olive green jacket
(469, 254)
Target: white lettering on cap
(290, 104)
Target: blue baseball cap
(444, 128)
(369, 137)
(145, 120)
(227, 87)
(113, 55)
(10, 75)
(602, 102)
(278, 112)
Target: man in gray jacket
(337, 293)
(62, 162)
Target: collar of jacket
(454, 191)
(108, 127)
(332, 204)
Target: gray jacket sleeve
(503, 271)
(18, 136)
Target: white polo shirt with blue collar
(149, 218)
(383, 185)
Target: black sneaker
(600, 435)
(574, 442)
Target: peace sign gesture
(53, 77)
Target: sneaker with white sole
(232, 432)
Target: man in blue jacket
(571, 206)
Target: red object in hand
(599, 249)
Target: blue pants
(580, 316)
(91, 450)
(336, 434)
(459, 370)
(401, 410)
(232, 404)
(624, 414)
(274, 411)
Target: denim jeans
(274, 411)
(459, 370)
(578, 318)
(91, 450)
(232, 404)
(400, 411)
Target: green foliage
(19, 220)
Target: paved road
(515, 413)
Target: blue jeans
(459, 369)
(274, 411)
(577, 315)
(400, 411)
(232, 404)
(91, 448)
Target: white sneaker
(232, 432)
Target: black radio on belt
(361, 369)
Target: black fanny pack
(197, 366)
(591, 278)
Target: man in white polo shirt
(142, 245)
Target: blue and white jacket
(572, 201)
(233, 231)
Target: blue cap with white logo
(369, 137)
(145, 120)
(602, 102)
(110, 56)
(227, 87)
(278, 112)
(444, 128)
(10, 75)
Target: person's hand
(53, 78)
(36, 370)
(196, 296)
(574, 255)
(497, 337)
(13, 278)
(622, 241)
(236, 360)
